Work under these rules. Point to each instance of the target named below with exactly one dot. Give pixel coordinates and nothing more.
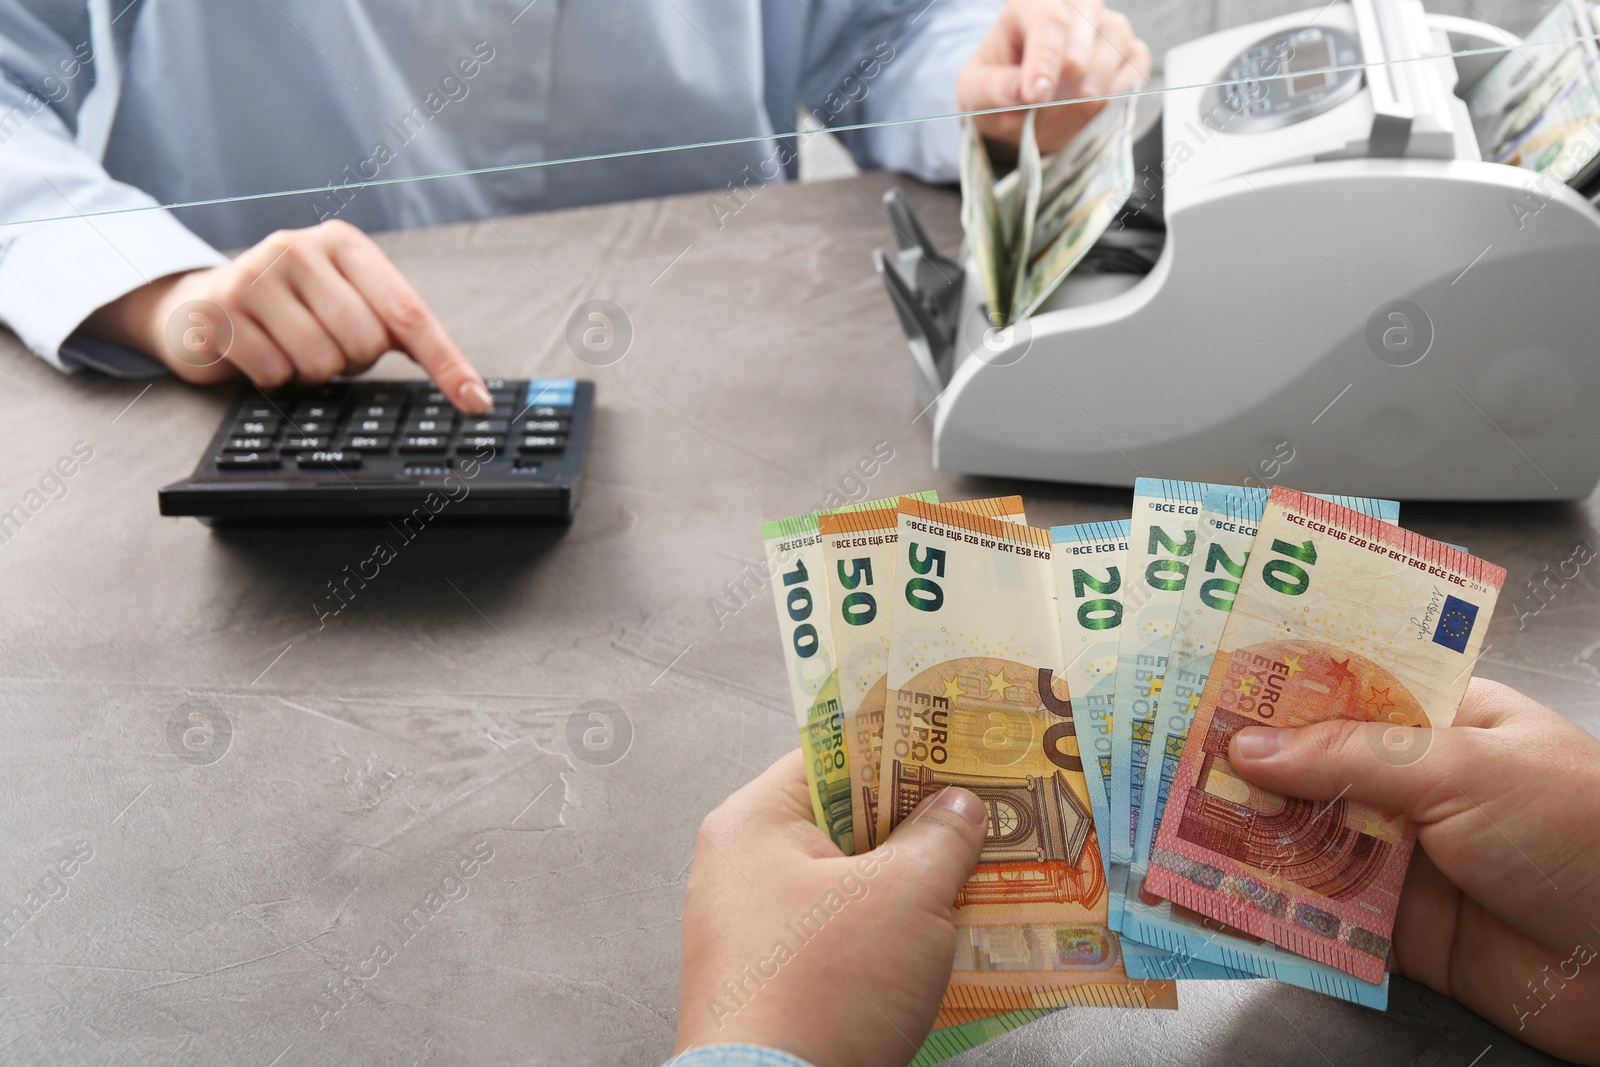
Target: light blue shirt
(107, 105)
(735, 1056)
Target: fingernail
(475, 392)
(1259, 742)
(1042, 87)
(965, 804)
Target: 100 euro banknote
(1338, 616)
(799, 590)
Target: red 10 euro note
(1339, 616)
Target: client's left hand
(1043, 50)
(790, 944)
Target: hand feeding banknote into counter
(1085, 681)
(1539, 107)
(1028, 232)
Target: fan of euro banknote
(1084, 681)
(1026, 234)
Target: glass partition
(139, 140)
(304, 112)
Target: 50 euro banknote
(976, 670)
(1338, 616)
(858, 561)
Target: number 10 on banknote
(1338, 616)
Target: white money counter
(1317, 281)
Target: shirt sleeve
(72, 239)
(735, 1056)
(894, 63)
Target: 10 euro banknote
(1338, 616)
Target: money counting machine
(1316, 280)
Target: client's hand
(1501, 906)
(302, 305)
(789, 943)
(1043, 50)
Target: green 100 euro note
(799, 589)
(1029, 232)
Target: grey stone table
(249, 796)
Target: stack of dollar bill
(1539, 106)
(1085, 681)
(1026, 235)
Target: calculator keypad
(340, 426)
(251, 461)
(333, 459)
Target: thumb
(941, 842)
(1396, 768)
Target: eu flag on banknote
(1455, 624)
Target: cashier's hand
(1501, 905)
(1043, 50)
(302, 305)
(790, 944)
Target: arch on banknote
(1310, 843)
(1039, 847)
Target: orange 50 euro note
(976, 678)
(858, 556)
(1338, 616)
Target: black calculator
(384, 449)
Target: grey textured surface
(232, 882)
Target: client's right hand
(1501, 905)
(302, 305)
